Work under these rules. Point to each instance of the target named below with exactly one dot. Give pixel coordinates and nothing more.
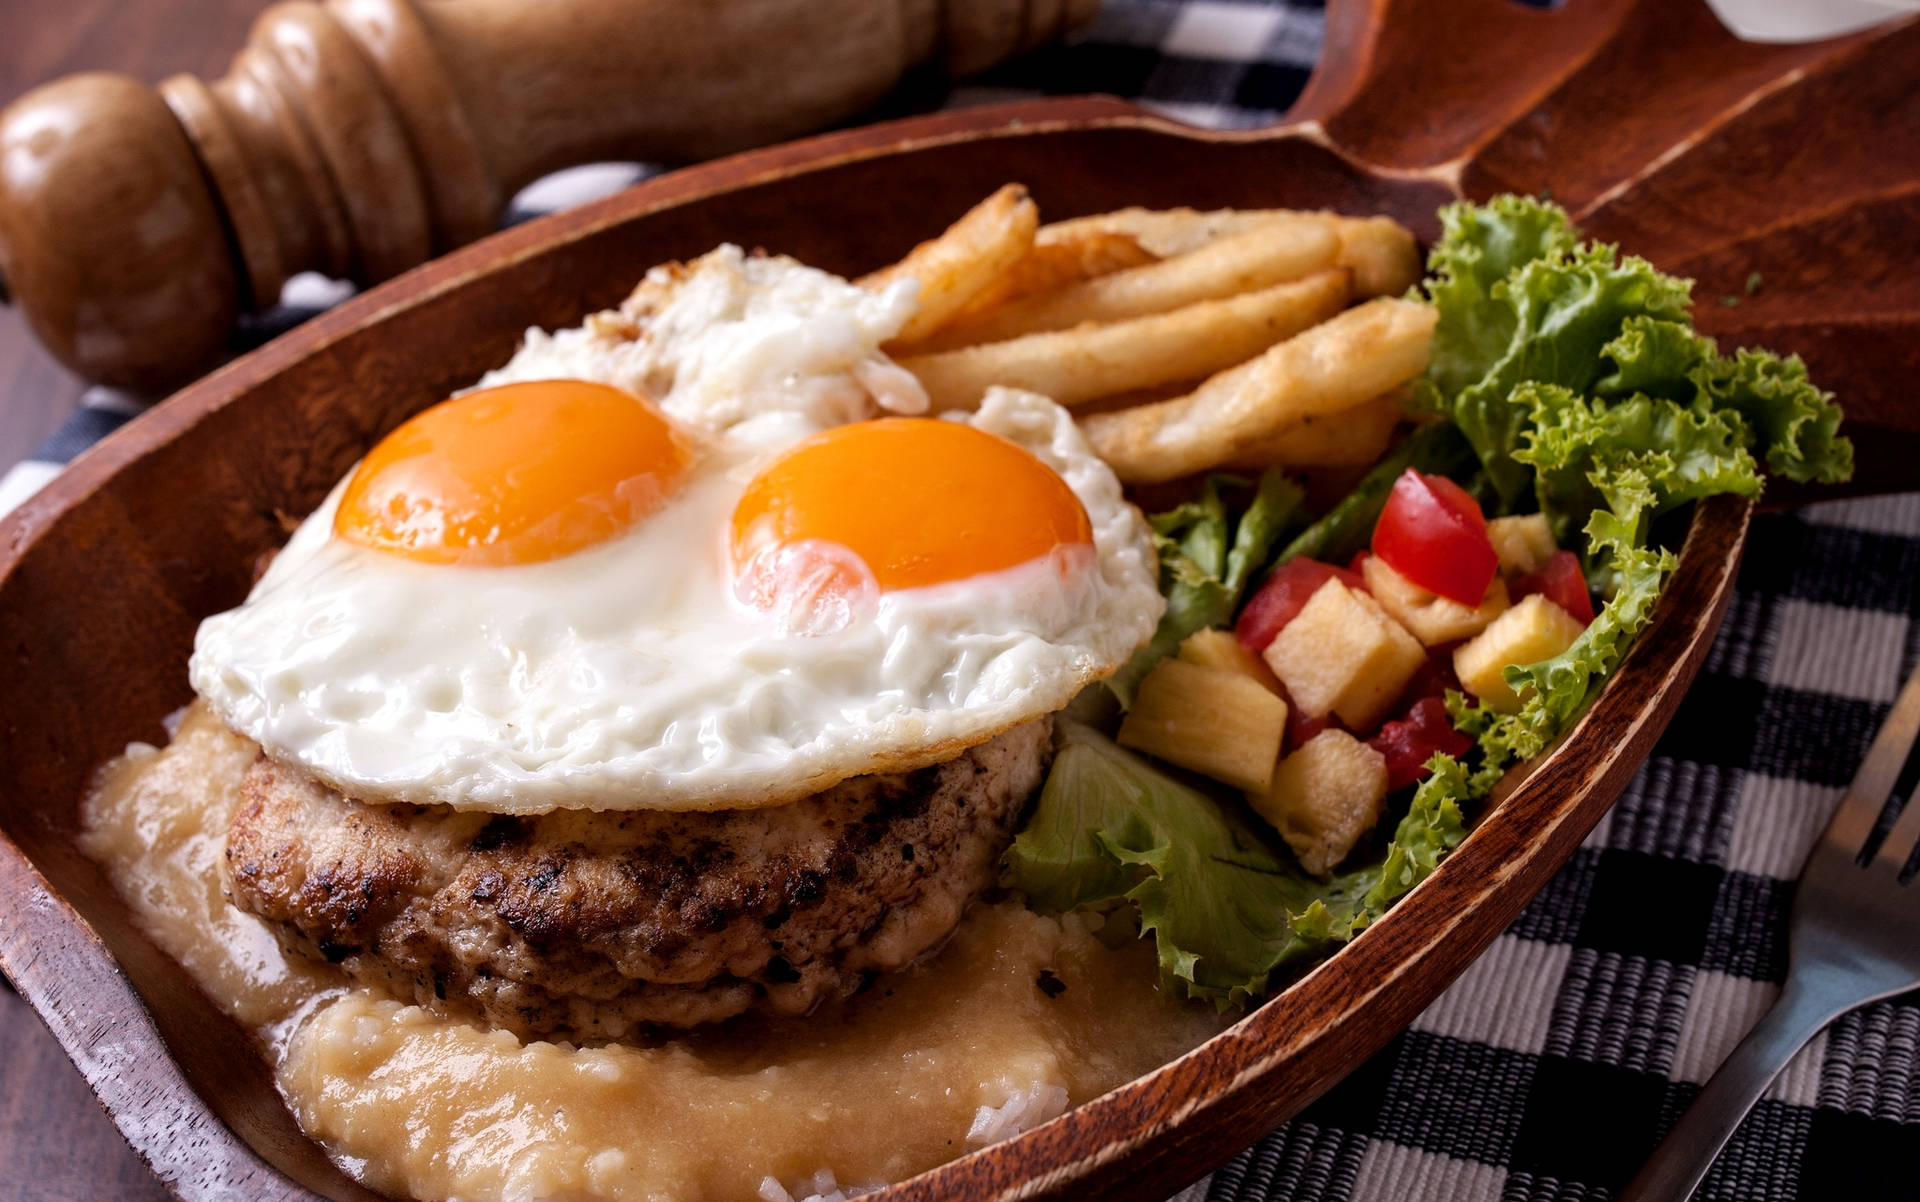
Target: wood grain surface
(56, 1143)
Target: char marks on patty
(599, 924)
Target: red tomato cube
(1562, 582)
(1283, 596)
(1433, 533)
(1411, 741)
(1434, 678)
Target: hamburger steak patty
(593, 924)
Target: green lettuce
(1226, 910)
(1598, 402)
(1521, 300)
(1570, 380)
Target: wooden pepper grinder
(360, 137)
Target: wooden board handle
(358, 138)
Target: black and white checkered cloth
(1551, 1068)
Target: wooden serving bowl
(105, 574)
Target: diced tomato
(1300, 728)
(1433, 678)
(1411, 741)
(1284, 595)
(1560, 581)
(1358, 564)
(1433, 533)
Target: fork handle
(1684, 1156)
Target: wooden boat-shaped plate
(1712, 157)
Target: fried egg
(687, 556)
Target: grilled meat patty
(595, 924)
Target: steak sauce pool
(1018, 1017)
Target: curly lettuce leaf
(1545, 320)
(1225, 910)
(1797, 424)
(1575, 445)
(1655, 357)
(1479, 247)
(1110, 826)
(1522, 302)
(1555, 690)
(1207, 555)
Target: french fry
(1332, 367)
(1268, 254)
(1380, 251)
(1356, 436)
(1057, 265)
(1169, 232)
(962, 262)
(1100, 359)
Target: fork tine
(1900, 840)
(1866, 797)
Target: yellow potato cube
(1216, 648)
(1522, 543)
(1218, 722)
(1531, 631)
(1324, 797)
(1343, 654)
(1432, 619)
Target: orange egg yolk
(920, 501)
(517, 474)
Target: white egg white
(628, 675)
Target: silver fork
(1854, 938)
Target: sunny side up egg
(554, 592)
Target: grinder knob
(358, 138)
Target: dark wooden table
(56, 1144)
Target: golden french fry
(1261, 257)
(959, 264)
(1362, 353)
(1381, 252)
(1100, 359)
(1059, 264)
(1346, 439)
(1169, 232)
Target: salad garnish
(1565, 380)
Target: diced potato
(1343, 654)
(1324, 797)
(1531, 631)
(1523, 543)
(1214, 648)
(1432, 619)
(1218, 722)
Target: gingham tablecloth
(1547, 1073)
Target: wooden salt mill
(358, 138)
